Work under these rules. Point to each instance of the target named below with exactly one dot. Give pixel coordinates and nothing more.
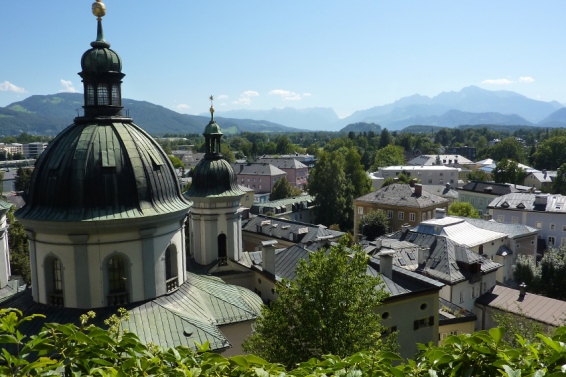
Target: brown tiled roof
(539, 308)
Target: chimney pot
(386, 263)
(268, 256)
(418, 189)
(440, 213)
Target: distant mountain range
(469, 106)
(47, 115)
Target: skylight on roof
(402, 261)
(411, 255)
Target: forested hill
(49, 114)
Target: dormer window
(505, 205)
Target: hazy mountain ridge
(315, 118)
(49, 114)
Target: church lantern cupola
(101, 73)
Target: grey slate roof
(402, 195)
(284, 163)
(257, 168)
(445, 191)
(284, 229)
(528, 202)
(512, 230)
(496, 188)
(445, 256)
(402, 282)
(286, 260)
(193, 313)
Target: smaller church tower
(214, 220)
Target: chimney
(448, 186)
(268, 256)
(544, 173)
(395, 180)
(418, 189)
(440, 213)
(423, 255)
(486, 216)
(386, 263)
(405, 229)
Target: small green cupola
(101, 74)
(212, 135)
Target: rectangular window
(514, 219)
(423, 216)
(430, 181)
(473, 201)
(500, 218)
(552, 227)
(551, 240)
(389, 214)
(564, 228)
(563, 241)
(401, 215)
(441, 174)
(461, 297)
(411, 216)
(539, 225)
(360, 210)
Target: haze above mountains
(49, 114)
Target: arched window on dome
(222, 249)
(54, 281)
(117, 281)
(171, 269)
(102, 93)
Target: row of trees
(547, 277)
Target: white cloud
(498, 81)
(307, 94)
(68, 87)
(286, 95)
(183, 107)
(526, 79)
(7, 86)
(222, 96)
(246, 97)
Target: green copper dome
(102, 171)
(100, 58)
(213, 176)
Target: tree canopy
(559, 183)
(508, 148)
(550, 153)
(328, 308)
(547, 277)
(282, 189)
(23, 178)
(336, 180)
(464, 209)
(374, 224)
(508, 171)
(390, 155)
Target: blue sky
(347, 55)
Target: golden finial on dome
(211, 106)
(99, 9)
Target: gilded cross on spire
(211, 107)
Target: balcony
(172, 284)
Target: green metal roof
(102, 169)
(214, 177)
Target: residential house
(308, 159)
(286, 233)
(465, 273)
(446, 191)
(402, 203)
(298, 208)
(545, 311)
(544, 212)
(540, 180)
(297, 172)
(480, 193)
(455, 160)
(428, 175)
(259, 176)
(412, 307)
(189, 159)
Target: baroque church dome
(102, 167)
